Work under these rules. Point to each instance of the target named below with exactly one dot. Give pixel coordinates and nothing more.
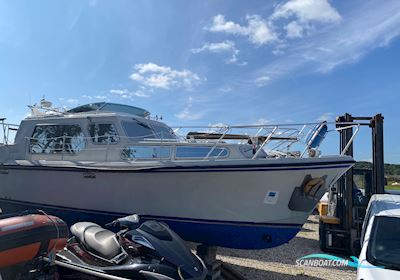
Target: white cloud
(126, 94)
(225, 89)
(100, 97)
(225, 46)
(217, 128)
(294, 30)
(221, 25)
(257, 30)
(373, 28)
(262, 80)
(279, 49)
(305, 13)
(90, 97)
(152, 75)
(72, 101)
(326, 117)
(369, 26)
(308, 10)
(118, 91)
(187, 114)
(140, 93)
(262, 121)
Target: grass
(392, 187)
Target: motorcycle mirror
(131, 222)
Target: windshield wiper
(387, 265)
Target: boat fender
(313, 153)
(305, 197)
(313, 185)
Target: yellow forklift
(340, 228)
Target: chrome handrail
(6, 128)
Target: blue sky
(207, 62)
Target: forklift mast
(340, 230)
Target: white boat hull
(224, 204)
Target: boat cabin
(106, 132)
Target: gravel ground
(280, 262)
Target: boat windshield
(163, 131)
(384, 245)
(110, 107)
(137, 130)
(87, 107)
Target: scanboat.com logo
(318, 260)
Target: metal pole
(265, 142)
(378, 166)
(348, 186)
(346, 182)
(87, 271)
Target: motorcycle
(147, 251)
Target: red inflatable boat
(24, 238)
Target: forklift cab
(329, 223)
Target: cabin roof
(110, 107)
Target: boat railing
(284, 140)
(7, 132)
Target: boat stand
(217, 270)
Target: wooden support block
(330, 220)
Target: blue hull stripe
(233, 234)
(30, 205)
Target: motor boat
(247, 186)
(147, 251)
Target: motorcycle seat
(96, 239)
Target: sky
(208, 62)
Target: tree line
(392, 171)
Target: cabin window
(200, 152)
(52, 139)
(137, 130)
(163, 132)
(146, 152)
(102, 133)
